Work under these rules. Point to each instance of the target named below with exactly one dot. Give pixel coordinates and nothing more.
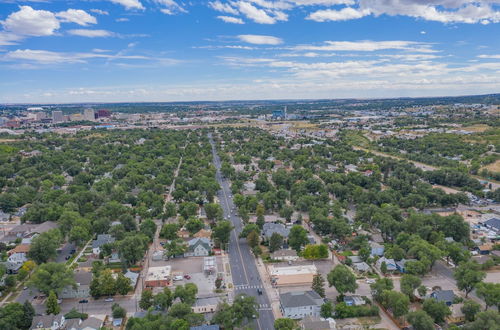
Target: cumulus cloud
(129, 4)
(230, 19)
(78, 16)
(223, 7)
(170, 7)
(91, 33)
(99, 11)
(260, 39)
(255, 14)
(344, 14)
(30, 22)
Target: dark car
(73, 251)
(83, 301)
(67, 257)
(259, 291)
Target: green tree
(318, 285)
(468, 275)
(213, 211)
(381, 285)
(163, 300)
(175, 247)
(485, 320)
(107, 284)
(117, 311)
(438, 310)
(490, 293)
(342, 279)
(420, 320)
(169, 231)
(326, 310)
(51, 277)
(222, 232)
(170, 210)
(186, 293)
(122, 284)
(408, 285)
(244, 308)
(132, 248)
(249, 228)
(14, 316)
(52, 305)
(383, 267)
(284, 324)
(194, 225)
(44, 246)
(397, 302)
(275, 242)
(297, 238)
(79, 235)
(253, 239)
(470, 308)
(146, 299)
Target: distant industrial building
(57, 117)
(103, 113)
(89, 114)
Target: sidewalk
(272, 293)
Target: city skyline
(165, 50)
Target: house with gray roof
(446, 296)
(493, 224)
(100, 241)
(82, 289)
(317, 323)
(198, 247)
(48, 322)
(270, 228)
(285, 255)
(299, 304)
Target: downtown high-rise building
(88, 114)
(57, 117)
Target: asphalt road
(246, 278)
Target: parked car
(259, 291)
(109, 299)
(67, 257)
(178, 278)
(83, 301)
(187, 277)
(370, 281)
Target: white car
(178, 278)
(109, 299)
(370, 281)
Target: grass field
(495, 167)
(477, 128)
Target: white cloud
(255, 14)
(489, 56)
(122, 19)
(30, 22)
(91, 33)
(78, 16)
(230, 19)
(344, 14)
(260, 39)
(49, 57)
(170, 7)
(223, 7)
(129, 4)
(99, 11)
(322, 2)
(7, 39)
(367, 46)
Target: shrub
(343, 311)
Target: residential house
(133, 277)
(354, 300)
(82, 288)
(183, 233)
(446, 296)
(317, 323)
(91, 323)
(361, 267)
(376, 249)
(4, 217)
(205, 305)
(493, 224)
(48, 322)
(400, 265)
(299, 304)
(21, 249)
(17, 258)
(100, 241)
(285, 255)
(390, 263)
(198, 247)
(270, 228)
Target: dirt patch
(476, 128)
(495, 167)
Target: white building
(57, 117)
(88, 114)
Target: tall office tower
(88, 114)
(57, 117)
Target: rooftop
(300, 298)
(158, 273)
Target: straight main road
(246, 278)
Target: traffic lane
(65, 252)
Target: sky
(66, 51)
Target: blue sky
(56, 51)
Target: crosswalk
(264, 306)
(245, 286)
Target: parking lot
(193, 268)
